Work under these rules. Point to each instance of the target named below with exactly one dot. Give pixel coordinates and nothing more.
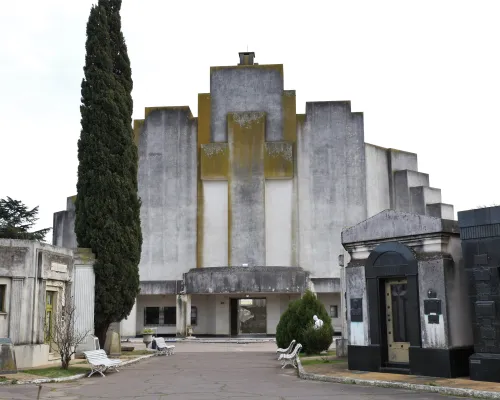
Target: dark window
(334, 311)
(151, 315)
(399, 312)
(2, 298)
(194, 315)
(169, 317)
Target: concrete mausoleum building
(36, 281)
(243, 206)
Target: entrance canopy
(246, 280)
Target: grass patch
(3, 379)
(325, 354)
(56, 372)
(322, 361)
(136, 353)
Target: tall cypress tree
(107, 206)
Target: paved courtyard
(201, 371)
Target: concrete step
(420, 196)
(441, 210)
(403, 181)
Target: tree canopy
(16, 221)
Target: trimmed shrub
(317, 340)
(297, 323)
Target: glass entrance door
(397, 327)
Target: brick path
(201, 371)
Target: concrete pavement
(200, 371)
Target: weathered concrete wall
(378, 196)
(222, 323)
(273, 313)
(397, 224)
(4, 314)
(63, 226)
(332, 183)
(431, 276)
(246, 280)
(358, 332)
(154, 301)
(245, 89)
(247, 223)
(205, 305)
(168, 189)
(215, 223)
(459, 313)
(279, 205)
(29, 267)
(332, 299)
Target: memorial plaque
(357, 310)
(481, 259)
(482, 274)
(432, 307)
(485, 309)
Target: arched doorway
(391, 273)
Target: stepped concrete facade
(244, 205)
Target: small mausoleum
(407, 302)
(36, 281)
(480, 235)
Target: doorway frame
(236, 300)
(391, 260)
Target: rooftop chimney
(246, 58)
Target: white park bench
(290, 359)
(287, 350)
(99, 362)
(162, 348)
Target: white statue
(318, 323)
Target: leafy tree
(16, 220)
(107, 204)
(296, 323)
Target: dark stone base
(364, 358)
(442, 363)
(485, 367)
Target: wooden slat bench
(290, 359)
(287, 350)
(163, 348)
(99, 362)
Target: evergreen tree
(16, 220)
(107, 205)
(297, 323)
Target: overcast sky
(426, 74)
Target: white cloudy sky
(425, 73)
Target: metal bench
(99, 362)
(290, 359)
(163, 349)
(287, 350)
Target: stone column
(183, 314)
(16, 312)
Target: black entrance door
(234, 317)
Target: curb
(450, 391)
(74, 377)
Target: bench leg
(99, 369)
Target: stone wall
(331, 183)
(168, 191)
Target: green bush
(297, 323)
(317, 340)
